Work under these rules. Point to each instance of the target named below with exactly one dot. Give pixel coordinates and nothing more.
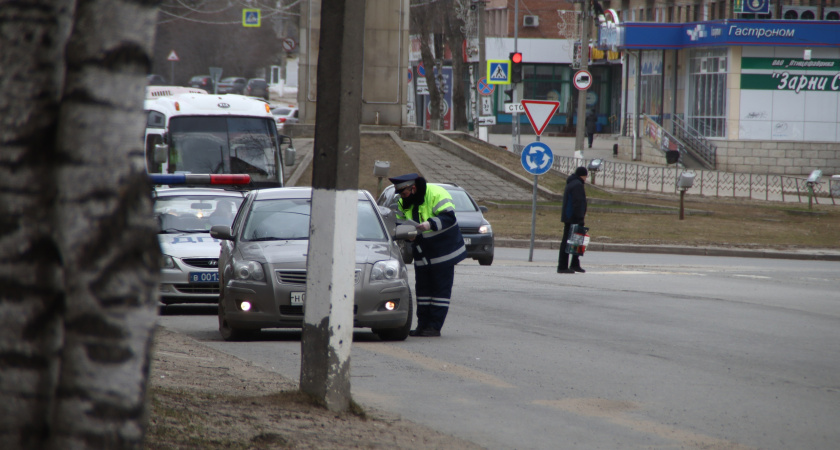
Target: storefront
(548, 69)
(766, 93)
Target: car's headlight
(167, 262)
(385, 271)
(485, 229)
(248, 270)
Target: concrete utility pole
(328, 317)
(584, 65)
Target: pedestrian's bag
(578, 240)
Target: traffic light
(509, 94)
(515, 67)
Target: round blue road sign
(537, 158)
(484, 88)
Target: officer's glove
(425, 226)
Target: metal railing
(709, 183)
(697, 144)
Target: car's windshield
(289, 219)
(194, 213)
(462, 201)
(224, 145)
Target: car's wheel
(401, 333)
(229, 333)
(486, 261)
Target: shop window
(707, 92)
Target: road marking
(615, 411)
(755, 277)
(434, 364)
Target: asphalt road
(642, 351)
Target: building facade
(761, 85)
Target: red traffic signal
(515, 67)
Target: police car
(190, 269)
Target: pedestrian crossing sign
(498, 71)
(250, 17)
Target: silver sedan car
(262, 267)
(190, 255)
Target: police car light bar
(199, 178)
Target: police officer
(437, 248)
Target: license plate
(298, 298)
(467, 241)
(204, 277)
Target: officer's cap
(403, 181)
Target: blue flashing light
(165, 178)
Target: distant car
(232, 85)
(263, 270)
(477, 232)
(257, 87)
(190, 272)
(202, 82)
(155, 80)
(284, 115)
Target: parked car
(262, 266)
(155, 80)
(190, 271)
(202, 82)
(477, 232)
(257, 87)
(232, 85)
(284, 115)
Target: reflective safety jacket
(443, 244)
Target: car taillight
(281, 119)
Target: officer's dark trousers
(433, 287)
(563, 259)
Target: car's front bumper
(271, 305)
(479, 246)
(175, 286)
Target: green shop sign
(749, 64)
(791, 82)
(790, 74)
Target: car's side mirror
(161, 153)
(289, 156)
(405, 232)
(483, 209)
(221, 232)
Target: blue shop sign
(718, 33)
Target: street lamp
(684, 183)
(813, 179)
(594, 167)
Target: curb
(818, 255)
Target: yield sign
(539, 113)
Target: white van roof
(168, 91)
(195, 104)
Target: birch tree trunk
(79, 259)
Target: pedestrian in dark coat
(574, 211)
(591, 126)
